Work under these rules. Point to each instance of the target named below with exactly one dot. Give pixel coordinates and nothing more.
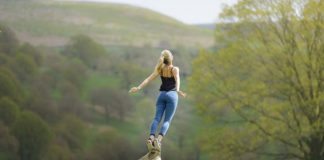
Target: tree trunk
(316, 148)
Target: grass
(97, 80)
(108, 23)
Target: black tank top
(168, 83)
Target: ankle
(151, 137)
(160, 137)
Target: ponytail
(159, 66)
(165, 59)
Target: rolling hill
(52, 23)
(210, 26)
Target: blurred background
(252, 69)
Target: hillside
(210, 26)
(52, 23)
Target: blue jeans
(166, 103)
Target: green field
(51, 23)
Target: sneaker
(157, 144)
(149, 144)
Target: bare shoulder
(175, 68)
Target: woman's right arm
(145, 82)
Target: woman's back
(167, 78)
(166, 71)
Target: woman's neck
(169, 65)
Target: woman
(168, 98)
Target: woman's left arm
(177, 79)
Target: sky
(187, 11)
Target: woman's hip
(168, 95)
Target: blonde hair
(167, 60)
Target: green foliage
(110, 145)
(8, 144)
(9, 86)
(73, 131)
(57, 152)
(86, 49)
(9, 111)
(8, 40)
(127, 70)
(99, 80)
(39, 99)
(115, 102)
(4, 59)
(143, 112)
(21, 60)
(24, 67)
(71, 100)
(262, 91)
(75, 72)
(32, 52)
(33, 135)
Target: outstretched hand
(182, 94)
(133, 90)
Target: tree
(262, 92)
(57, 152)
(115, 102)
(40, 100)
(130, 73)
(9, 111)
(8, 40)
(9, 86)
(73, 131)
(4, 59)
(86, 49)
(8, 144)
(70, 101)
(75, 72)
(24, 67)
(33, 135)
(110, 145)
(32, 52)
